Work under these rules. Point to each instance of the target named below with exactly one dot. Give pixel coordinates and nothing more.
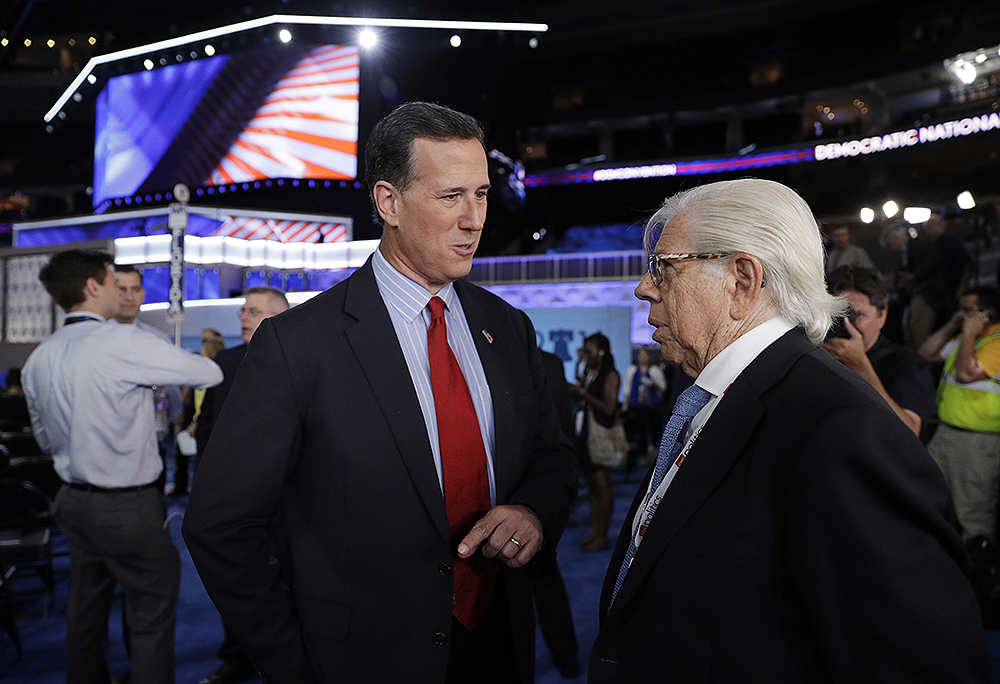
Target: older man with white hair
(793, 528)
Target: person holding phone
(966, 444)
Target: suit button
(440, 638)
(444, 569)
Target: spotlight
(92, 40)
(77, 97)
(285, 35)
(27, 42)
(456, 40)
(91, 79)
(916, 214)
(532, 42)
(966, 200)
(148, 63)
(367, 38)
(867, 215)
(51, 43)
(890, 209)
(209, 50)
(965, 71)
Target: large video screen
(288, 111)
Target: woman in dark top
(598, 392)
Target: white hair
(771, 222)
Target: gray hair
(771, 222)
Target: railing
(559, 268)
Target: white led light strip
(283, 19)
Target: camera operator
(896, 372)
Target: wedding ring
(515, 542)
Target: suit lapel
(720, 443)
(497, 369)
(377, 350)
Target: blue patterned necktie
(691, 400)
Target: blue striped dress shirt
(407, 305)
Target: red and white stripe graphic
(282, 231)
(307, 127)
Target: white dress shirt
(407, 305)
(89, 392)
(715, 378)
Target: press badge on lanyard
(652, 501)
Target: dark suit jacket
(229, 361)
(323, 424)
(808, 538)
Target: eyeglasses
(252, 312)
(655, 260)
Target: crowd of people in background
(296, 509)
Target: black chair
(38, 470)
(25, 536)
(13, 413)
(20, 444)
(8, 619)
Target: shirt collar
(720, 372)
(86, 314)
(409, 298)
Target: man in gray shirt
(89, 392)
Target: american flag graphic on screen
(306, 128)
(249, 228)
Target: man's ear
(386, 197)
(747, 284)
(92, 288)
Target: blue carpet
(199, 629)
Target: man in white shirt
(793, 529)
(169, 406)
(89, 392)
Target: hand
(850, 351)
(973, 325)
(574, 388)
(495, 531)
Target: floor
(199, 630)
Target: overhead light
(209, 49)
(148, 63)
(91, 79)
(965, 71)
(367, 38)
(532, 42)
(890, 209)
(867, 214)
(456, 40)
(916, 214)
(980, 58)
(966, 200)
(285, 19)
(285, 35)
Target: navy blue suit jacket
(809, 537)
(323, 424)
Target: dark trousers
(555, 619)
(118, 537)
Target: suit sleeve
(252, 447)
(874, 554)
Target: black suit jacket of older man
(807, 538)
(323, 425)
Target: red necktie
(463, 465)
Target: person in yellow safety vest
(966, 444)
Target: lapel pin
(489, 338)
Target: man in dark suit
(260, 303)
(413, 517)
(794, 529)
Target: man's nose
(646, 289)
(473, 215)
